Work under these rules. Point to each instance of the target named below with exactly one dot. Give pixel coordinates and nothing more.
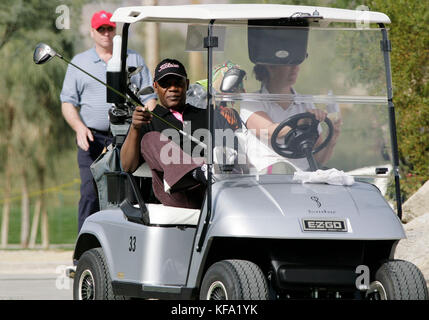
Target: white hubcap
(217, 291)
(86, 286)
(376, 289)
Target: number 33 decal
(132, 247)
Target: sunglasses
(103, 29)
(167, 82)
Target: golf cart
(264, 233)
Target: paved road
(35, 275)
(34, 287)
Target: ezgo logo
(324, 225)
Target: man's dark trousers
(88, 203)
(185, 191)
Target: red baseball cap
(102, 18)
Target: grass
(62, 199)
(62, 224)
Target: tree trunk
(6, 209)
(45, 227)
(151, 39)
(35, 223)
(8, 179)
(25, 211)
(5, 219)
(41, 170)
(196, 66)
(197, 70)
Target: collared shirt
(82, 91)
(178, 115)
(194, 119)
(276, 112)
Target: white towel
(331, 176)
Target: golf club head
(132, 71)
(145, 91)
(232, 80)
(43, 53)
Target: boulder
(417, 204)
(415, 248)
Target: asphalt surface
(35, 275)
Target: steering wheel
(300, 140)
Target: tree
(409, 35)
(32, 128)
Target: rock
(417, 204)
(415, 248)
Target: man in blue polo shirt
(84, 105)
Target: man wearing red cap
(103, 31)
(84, 105)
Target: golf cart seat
(162, 215)
(143, 171)
(127, 191)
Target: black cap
(169, 66)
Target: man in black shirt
(178, 179)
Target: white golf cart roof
(240, 13)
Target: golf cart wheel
(92, 279)
(398, 280)
(234, 280)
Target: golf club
(44, 53)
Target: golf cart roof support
(124, 47)
(386, 48)
(210, 42)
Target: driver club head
(43, 53)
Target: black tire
(398, 280)
(234, 280)
(92, 279)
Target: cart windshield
(267, 75)
(264, 75)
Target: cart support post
(124, 48)
(386, 48)
(210, 42)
